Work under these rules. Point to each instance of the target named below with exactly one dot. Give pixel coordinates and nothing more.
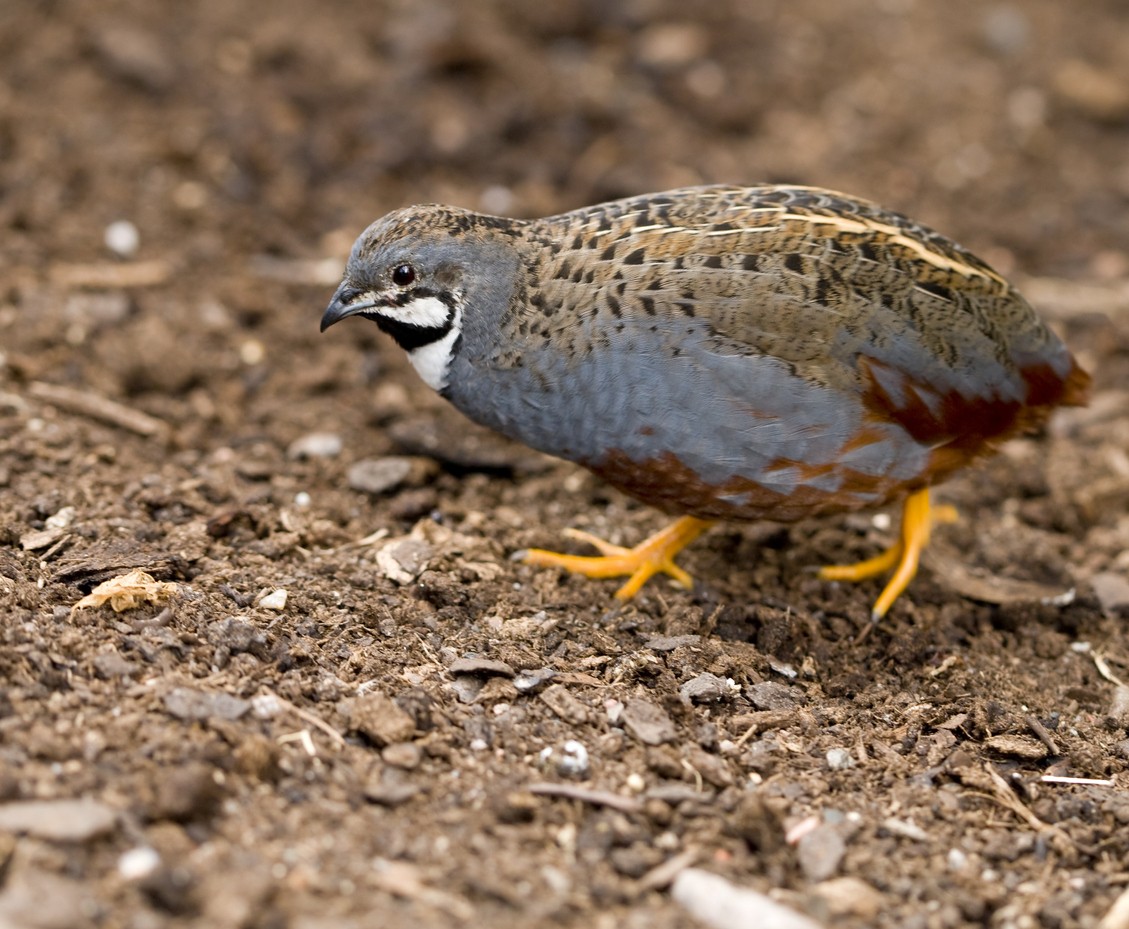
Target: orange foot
(650, 557)
(918, 519)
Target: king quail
(770, 352)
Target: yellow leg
(654, 555)
(918, 519)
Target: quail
(721, 353)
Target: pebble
(315, 445)
(378, 475)
(569, 760)
(839, 759)
(770, 695)
(138, 862)
(275, 600)
(406, 755)
(403, 560)
(648, 722)
(68, 820)
(527, 682)
(718, 904)
(819, 852)
(706, 688)
(189, 703)
(122, 238)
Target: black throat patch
(409, 336)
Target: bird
(718, 352)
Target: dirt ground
(353, 709)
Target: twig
(595, 797)
(97, 407)
(1041, 731)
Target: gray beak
(346, 302)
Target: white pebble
(138, 863)
(302, 499)
(839, 758)
(275, 600)
(122, 238)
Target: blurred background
(225, 129)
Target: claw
(918, 519)
(654, 555)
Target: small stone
(377, 717)
(122, 238)
(569, 760)
(58, 820)
(648, 722)
(527, 682)
(390, 794)
(770, 695)
(191, 704)
(275, 600)
(138, 862)
(315, 445)
(378, 475)
(706, 688)
(406, 755)
(403, 560)
(820, 851)
(839, 759)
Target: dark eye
(403, 275)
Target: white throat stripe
(425, 312)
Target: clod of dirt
(376, 716)
(378, 475)
(186, 794)
(484, 667)
(565, 704)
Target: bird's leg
(652, 556)
(918, 519)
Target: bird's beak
(347, 301)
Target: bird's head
(417, 271)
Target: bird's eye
(403, 275)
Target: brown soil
(363, 754)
